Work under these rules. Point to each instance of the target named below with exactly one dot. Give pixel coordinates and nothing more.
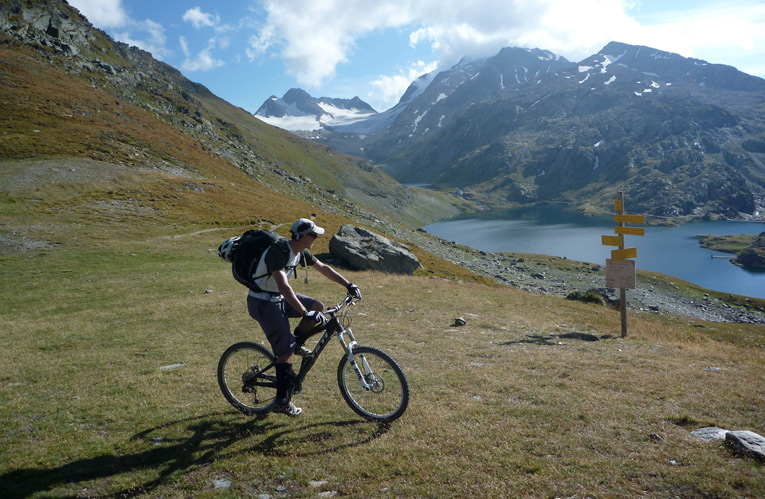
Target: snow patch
(598, 143)
(441, 96)
(583, 69)
(293, 123)
(611, 80)
(337, 116)
(417, 120)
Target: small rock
(208, 291)
(222, 483)
(710, 433)
(171, 367)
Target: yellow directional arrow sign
(613, 240)
(630, 231)
(623, 254)
(630, 219)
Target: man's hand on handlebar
(354, 291)
(316, 316)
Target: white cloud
(200, 19)
(726, 33)
(393, 87)
(203, 61)
(259, 44)
(146, 35)
(313, 38)
(184, 45)
(102, 13)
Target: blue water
(673, 251)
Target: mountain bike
(371, 381)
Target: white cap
(304, 226)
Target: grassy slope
(500, 407)
(104, 269)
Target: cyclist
(274, 302)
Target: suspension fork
(349, 344)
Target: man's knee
(317, 306)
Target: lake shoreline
(542, 274)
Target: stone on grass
(747, 442)
(366, 250)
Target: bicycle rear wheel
(387, 393)
(247, 377)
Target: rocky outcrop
(753, 257)
(366, 250)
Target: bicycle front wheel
(247, 377)
(384, 393)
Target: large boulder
(365, 250)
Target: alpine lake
(551, 231)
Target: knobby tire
(239, 371)
(389, 396)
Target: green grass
(728, 244)
(501, 407)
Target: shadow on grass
(206, 439)
(554, 339)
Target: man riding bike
(274, 302)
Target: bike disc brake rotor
(375, 382)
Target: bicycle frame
(347, 340)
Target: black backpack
(244, 253)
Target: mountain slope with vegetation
(682, 138)
(132, 97)
(679, 143)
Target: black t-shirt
(279, 256)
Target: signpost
(620, 271)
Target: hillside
(101, 99)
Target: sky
(245, 51)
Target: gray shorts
(273, 317)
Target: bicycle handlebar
(347, 302)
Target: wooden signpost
(620, 271)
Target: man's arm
(282, 282)
(330, 273)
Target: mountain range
(682, 138)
